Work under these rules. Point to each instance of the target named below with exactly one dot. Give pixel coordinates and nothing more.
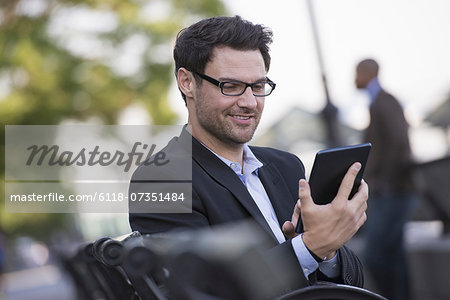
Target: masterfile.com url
(58, 197)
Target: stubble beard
(223, 129)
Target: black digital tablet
(330, 167)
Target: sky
(409, 38)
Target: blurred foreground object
(224, 262)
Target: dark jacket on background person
(389, 169)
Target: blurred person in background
(393, 194)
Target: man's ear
(186, 82)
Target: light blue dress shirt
(249, 177)
(373, 88)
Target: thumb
(288, 228)
(304, 193)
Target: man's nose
(247, 99)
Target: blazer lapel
(218, 170)
(277, 190)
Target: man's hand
(290, 226)
(328, 227)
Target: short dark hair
(194, 44)
(369, 65)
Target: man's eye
(232, 86)
(259, 86)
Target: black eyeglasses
(237, 88)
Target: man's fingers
(288, 228)
(347, 183)
(361, 220)
(296, 213)
(363, 194)
(360, 199)
(364, 188)
(304, 193)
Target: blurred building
(440, 117)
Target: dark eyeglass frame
(220, 84)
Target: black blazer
(219, 196)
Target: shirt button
(305, 270)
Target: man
(392, 185)
(221, 66)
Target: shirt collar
(373, 88)
(251, 163)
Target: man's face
(229, 119)
(362, 77)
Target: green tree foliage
(82, 59)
